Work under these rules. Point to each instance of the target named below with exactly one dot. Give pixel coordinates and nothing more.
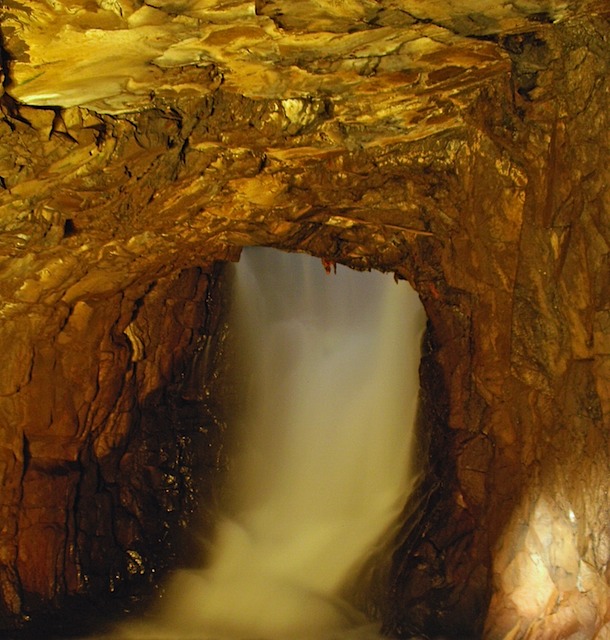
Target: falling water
(329, 367)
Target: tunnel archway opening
(181, 427)
(327, 385)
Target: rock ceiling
(364, 72)
(201, 114)
(394, 67)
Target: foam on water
(329, 367)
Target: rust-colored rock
(462, 145)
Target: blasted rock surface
(463, 146)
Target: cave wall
(93, 479)
(484, 183)
(519, 330)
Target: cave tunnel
(461, 148)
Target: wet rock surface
(463, 147)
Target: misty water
(329, 369)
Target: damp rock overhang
(461, 145)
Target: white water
(330, 371)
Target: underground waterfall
(328, 364)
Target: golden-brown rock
(462, 145)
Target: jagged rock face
(93, 479)
(462, 145)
